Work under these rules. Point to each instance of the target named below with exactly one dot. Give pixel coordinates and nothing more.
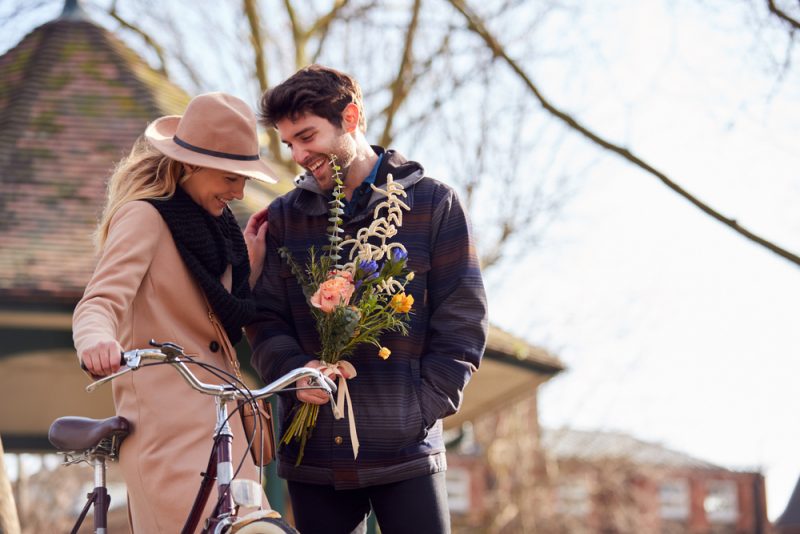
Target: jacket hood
(403, 171)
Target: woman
(171, 252)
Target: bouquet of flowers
(355, 302)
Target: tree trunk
(9, 520)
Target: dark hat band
(200, 150)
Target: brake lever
(129, 360)
(332, 402)
(97, 383)
(171, 350)
(330, 388)
(329, 385)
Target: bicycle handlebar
(173, 354)
(121, 363)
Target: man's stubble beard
(345, 155)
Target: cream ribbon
(339, 370)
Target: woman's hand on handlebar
(102, 358)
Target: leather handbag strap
(227, 346)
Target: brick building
(789, 521)
(610, 482)
(508, 476)
(496, 465)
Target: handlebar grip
(121, 362)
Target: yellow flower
(384, 353)
(410, 276)
(401, 303)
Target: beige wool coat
(142, 290)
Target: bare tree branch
(476, 25)
(512, 217)
(320, 44)
(323, 32)
(178, 50)
(299, 35)
(157, 48)
(197, 83)
(257, 43)
(322, 24)
(420, 122)
(775, 10)
(254, 21)
(401, 84)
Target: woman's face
(213, 189)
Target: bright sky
(674, 328)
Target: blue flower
(368, 267)
(395, 263)
(367, 270)
(399, 255)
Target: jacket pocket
(387, 410)
(418, 288)
(416, 382)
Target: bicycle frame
(220, 465)
(99, 498)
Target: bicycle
(95, 441)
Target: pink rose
(334, 291)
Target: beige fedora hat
(217, 130)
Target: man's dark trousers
(416, 506)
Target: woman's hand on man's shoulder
(255, 237)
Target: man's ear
(350, 116)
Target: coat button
(213, 346)
(338, 440)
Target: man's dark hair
(316, 90)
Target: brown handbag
(262, 450)
(257, 423)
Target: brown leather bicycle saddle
(81, 433)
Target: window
(573, 497)
(458, 498)
(722, 501)
(673, 498)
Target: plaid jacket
(399, 402)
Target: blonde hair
(144, 174)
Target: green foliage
(334, 246)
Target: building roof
(791, 515)
(73, 98)
(510, 349)
(593, 446)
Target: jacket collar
(313, 201)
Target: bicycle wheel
(267, 525)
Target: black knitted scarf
(208, 245)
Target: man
(398, 402)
